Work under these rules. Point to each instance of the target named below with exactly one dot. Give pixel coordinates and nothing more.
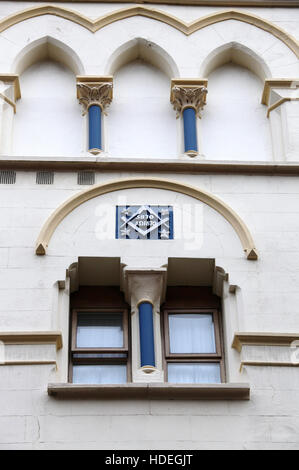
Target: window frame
(217, 358)
(85, 351)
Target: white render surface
(143, 55)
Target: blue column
(190, 134)
(146, 328)
(95, 127)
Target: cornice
(102, 164)
(253, 3)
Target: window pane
(100, 374)
(191, 333)
(100, 330)
(194, 373)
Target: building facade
(149, 211)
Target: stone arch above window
(207, 198)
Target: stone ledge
(263, 339)
(32, 337)
(155, 391)
(179, 165)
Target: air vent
(44, 177)
(86, 177)
(7, 177)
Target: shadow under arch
(140, 48)
(238, 54)
(215, 203)
(45, 48)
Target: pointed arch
(149, 12)
(240, 55)
(140, 48)
(215, 203)
(48, 47)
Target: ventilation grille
(7, 177)
(44, 177)
(86, 177)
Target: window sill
(155, 391)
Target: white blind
(191, 333)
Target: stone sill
(179, 165)
(155, 391)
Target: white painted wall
(48, 120)
(141, 121)
(234, 124)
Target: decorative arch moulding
(214, 202)
(152, 13)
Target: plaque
(144, 222)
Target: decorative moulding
(277, 83)
(158, 391)
(92, 90)
(11, 80)
(32, 337)
(188, 93)
(207, 198)
(263, 339)
(149, 12)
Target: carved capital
(144, 285)
(188, 93)
(94, 91)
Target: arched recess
(75, 201)
(47, 48)
(48, 119)
(237, 117)
(141, 111)
(238, 54)
(148, 51)
(149, 12)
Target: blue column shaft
(95, 127)
(190, 134)
(146, 328)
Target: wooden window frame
(100, 360)
(216, 358)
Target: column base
(191, 153)
(95, 151)
(148, 369)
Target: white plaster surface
(141, 123)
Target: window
(193, 344)
(99, 351)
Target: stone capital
(144, 285)
(10, 90)
(279, 91)
(188, 93)
(94, 91)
